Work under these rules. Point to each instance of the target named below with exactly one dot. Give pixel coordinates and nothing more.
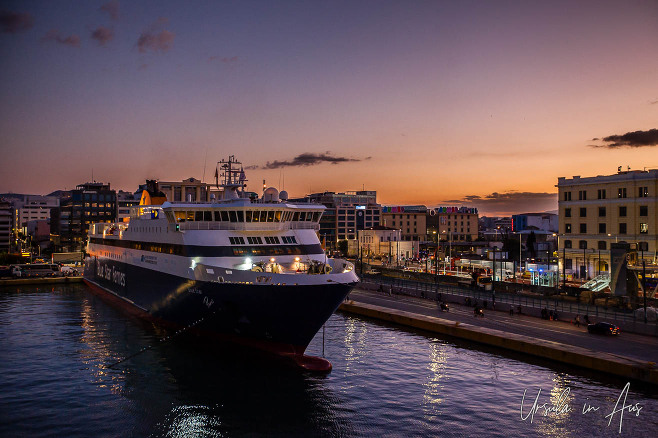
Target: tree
(530, 245)
(342, 247)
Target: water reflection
(56, 347)
(434, 394)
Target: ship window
(233, 216)
(207, 216)
(277, 216)
(180, 216)
(270, 216)
(190, 215)
(295, 217)
(256, 217)
(198, 215)
(224, 216)
(248, 216)
(240, 215)
(316, 216)
(218, 216)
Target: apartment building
(597, 211)
(411, 220)
(459, 224)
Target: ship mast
(233, 177)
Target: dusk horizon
(434, 103)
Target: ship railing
(269, 226)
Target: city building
(411, 220)
(535, 221)
(459, 224)
(595, 212)
(88, 203)
(379, 241)
(188, 190)
(345, 214)
(31, 208)
(125, 200)
(6, 219)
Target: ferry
(239, 268)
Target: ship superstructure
(252, 269)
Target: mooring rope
(165, 339)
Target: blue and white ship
(251, 270)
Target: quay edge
(43, 280)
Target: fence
(431, 291)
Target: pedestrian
(577, 320)
(587, 319)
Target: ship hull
(282, 319)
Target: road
(630, 345)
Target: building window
(644, 210)
(582, 244)
(582, 195)
(644, 228)
(567, 212)
(567, 196)
(622, 211)
(567, 244)
(567, 228)
(602, 229)
(643, 192)
(583, 228)
(601, 211)
(622, 228)
(583, 212)
(601, 193)
(621, 193)
(602, 244)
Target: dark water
(56, 344)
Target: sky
(474, 103)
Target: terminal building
(595, 212)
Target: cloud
(103, 35)
(635, 139)
(155, 39)
(111, 8)
(225, 60)
(653, 102)
(14, 22)
(308, 159)
(54, 35)
(511, 202)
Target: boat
(242, 268)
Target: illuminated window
(644, 228)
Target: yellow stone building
(595, 212)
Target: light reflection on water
(56, 346)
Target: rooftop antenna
(205, 160)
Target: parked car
(603, 328)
